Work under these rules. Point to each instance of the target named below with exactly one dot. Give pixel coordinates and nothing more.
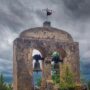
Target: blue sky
(16, 16)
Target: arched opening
(37, 67)
(57, 58)
(55, 67)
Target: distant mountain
(8, 79)
(85, 70)
(36, 76)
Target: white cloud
(5, 66)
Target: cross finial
(48, 12)
(47, 23)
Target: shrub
(67, 82)
(89, 85)
(56, 78)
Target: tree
(89, 85)
(3, 85)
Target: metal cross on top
(48, 11)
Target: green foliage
(89, 85)
(55, 74)
(69, 76)
(9, 87)
(82, 78)
(38, 82)
(56, 78)
(3, 85)
(67, 82)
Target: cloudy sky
(72, 16)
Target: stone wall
(47, 33)
(23, 70)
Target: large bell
(37, 67)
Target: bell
(37, 67)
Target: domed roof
(47, 33)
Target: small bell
(37, 67)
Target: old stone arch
(48, 42)
(38, 59)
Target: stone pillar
(30, 62)
(46, 72)
(49, 85)
(47, 68)
(14, 66)
(43, 82)
(25, 70)
(61, 71)
(22, 66)
(73, 61)
(77, 66)
(30, 67)
(56, 87)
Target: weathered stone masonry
(47, 40)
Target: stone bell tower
(47, 40)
